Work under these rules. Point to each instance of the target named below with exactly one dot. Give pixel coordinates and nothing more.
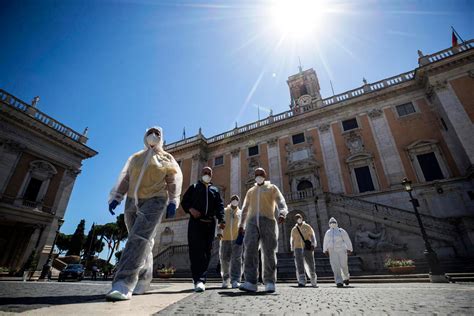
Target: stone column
(274, 162)
(389, 155)
(10, 154)
(196, 166)
(452, 109)
(64, 192)
(235, 172)
(331, 159)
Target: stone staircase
(286, 265)
(443, 229)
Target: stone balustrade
(296, 196)
(13, 102)
(367, 88)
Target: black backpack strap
(302, 237)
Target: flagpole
(332, 88)
(457, 34)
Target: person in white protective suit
(230, 251)
(151, 180)
(302, 243)
(338, 245)
(261, 231)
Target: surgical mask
(234, 203)
(299, 221)
(152, 139)
(332, 225)
(206, 178)
(259, 179)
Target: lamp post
(436, 273)
(49, 263)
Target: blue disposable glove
(240, 238)
(171, 210)
(112, 206)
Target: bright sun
(298, 19)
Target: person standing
(152, 181)
(303, 242)
(203, 202)
(230, 252)
(337, 245)
(260, 228)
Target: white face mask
(332, 225)
(260, 179)
(299, 221)
(206, 178)
(153, 139)
(234, 203)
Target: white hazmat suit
(337, 243)
(151, 179)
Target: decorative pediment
(359, 157)
(422, 143)
(43, 168)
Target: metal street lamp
(436, 273)
(49, 263)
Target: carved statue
(376, 241)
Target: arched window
(303, 185)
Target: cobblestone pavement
(83, 298)
(358, 299)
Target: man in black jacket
(204, 203)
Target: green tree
(114, 233)
(77, 240)
(63, 242)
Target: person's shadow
(243, 293)
(20, 304)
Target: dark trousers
(200, 237)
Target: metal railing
(13, 102)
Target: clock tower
(304, 90)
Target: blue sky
(121, 66)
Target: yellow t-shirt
(308, 234)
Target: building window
(405, 109)
(347, 125)
(427, 160)
(444, 124)
(304, 185)
(218, 161)
(430, 167)
(364, 179)
(32, 190)
(303, 90)
(253, 151)
(298, 138)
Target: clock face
(304, 100)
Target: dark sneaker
(346, 282)
(340, 285)
(301, 285)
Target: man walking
(230, 253)
(203, 202)
(261, 231)
(303, 242)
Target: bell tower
(304, 90)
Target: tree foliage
(77, 240)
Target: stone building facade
(345, 156)
(40, 159)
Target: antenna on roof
(300, 67)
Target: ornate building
(40, 159)
(345, 156)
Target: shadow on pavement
(19, 304)
(242, 293)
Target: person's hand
(326, 253)
(241, 231)
(312, 248)
(171, 210)
(240, 238)
(222, 226)
(219, 236)
(194, 213)
(349, 252)
(281, 219)
(112, 206)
